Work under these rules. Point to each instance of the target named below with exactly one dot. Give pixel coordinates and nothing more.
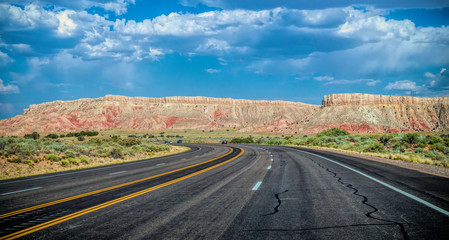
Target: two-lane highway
(230, 192)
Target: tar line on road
(438, 209)
(115, 201)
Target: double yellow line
(5, 215)
(109, 203)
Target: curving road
(230, 192)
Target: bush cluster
(53, 149)
(243, 140)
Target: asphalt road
(242, 192)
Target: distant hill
(363, 113)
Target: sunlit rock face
(361, 113)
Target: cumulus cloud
(7, 89)
(117, 6)
(401, 85)
(307, 4)
(321, 42)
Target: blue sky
(296, 50)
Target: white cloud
(7, 89)
(5, 59)
(402, 85)
(66, 24)
(117, 6)
(211, 70)
(368, 82)
(323, 43)
(372, 82)
(324, 78)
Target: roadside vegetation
(33, 154)
(46, 153)
(413, 147)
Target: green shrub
(73, 161)
(52, 157)
(15, 160)
(130, 141)
(333, 132)
(242, 140)
(64, 163)
(419, 150)
(411, 138)
(376, 147)
(30, 163)
(33, 135)
(437, 146)
(116, 153)
(52, 135)
(435, 140)
(84, 160)
(80, 138)
(71, 153)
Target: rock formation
(355, 112)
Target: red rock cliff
(363, 113)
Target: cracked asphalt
(302, 196)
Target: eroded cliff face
(361, 113)
(366, 113)
(156, 113)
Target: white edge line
(257, 186)
(386, 185)
(24, 190)
(116, 172)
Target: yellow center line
(5, 215)
(109, 203)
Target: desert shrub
(52, 135)
(3, 143)
(334, 132)
(52, 157)
(15, 160)
(64, 163)
(131, 141)
(84, 160)
(437, 146)
(411, 138)
(445, 150)
(116, 153)
(242, 140)
(33, 135)
(56, 146)
(419, 150)
(435, 140)
(376, 147)
(71, 153)
(29, 162)
(73, 161)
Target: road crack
(364, 201)
(276, 209)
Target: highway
(230, 192)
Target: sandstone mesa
(360, 113)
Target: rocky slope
(354, 112)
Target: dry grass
(14, 170)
